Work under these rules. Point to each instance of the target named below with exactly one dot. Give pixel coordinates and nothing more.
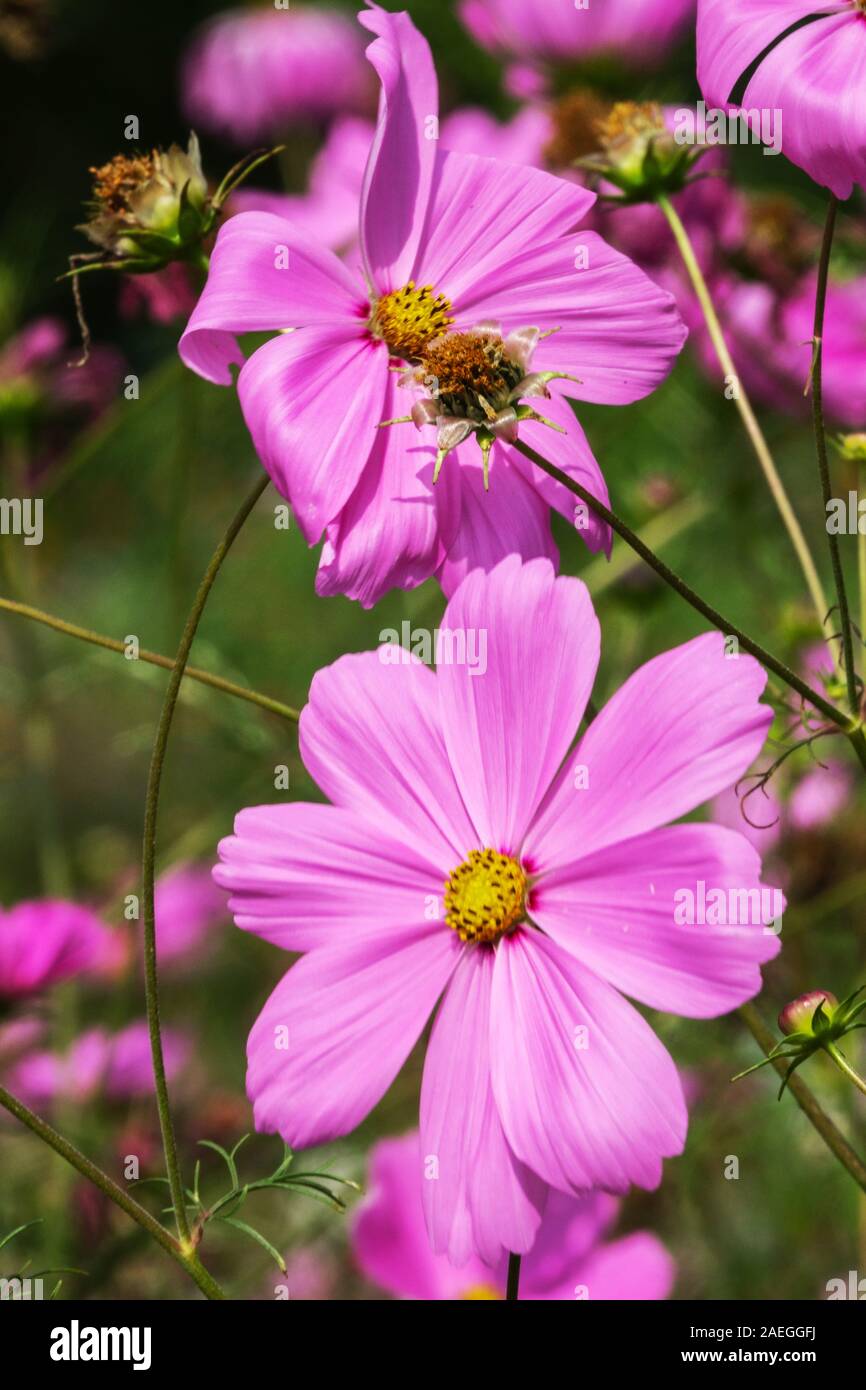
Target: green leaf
(256, 1236)
(18, 1229)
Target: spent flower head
(637, 152)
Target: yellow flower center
(485, 896)
(481, 1291)
(408, 319)
(462, 368)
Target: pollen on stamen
(410, 318)
(485, 897)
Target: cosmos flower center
(117, 181)
(478, 1293)
(410, 318)
(485, 896)
(469, 374)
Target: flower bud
(852, 447)
(799, 1015)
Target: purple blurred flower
(46, 399)
(117, 1067)
(820, 795)
(188, 905)
(248, 74)
(165, 295)
(570, 1258)
(814, 76)
(45, 942)
(537, 33)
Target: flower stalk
(816, 382)
(852, 729)
(149, 858)
(748, 417)
(186, 1258)
(111, 644)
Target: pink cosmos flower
(547, 32)
(450, 243)
(163, 296)
(117, 1067)
(814, 76)
(187, 907)
(328, 211)
(43, 943)
(570, 1258)
(468, 856)
(769, 333)
(248, 74)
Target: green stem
(832, 1051)
(151, 810)
(854, 731)
(748, 417)
(821, 450)
(111, 644)
(512, 1291)
(187, 1261)
(833, 1138)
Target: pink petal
(683, 727)
(248, 292)
(508, 727)
(483, 213)
(616, 912)
(816, 77)
(570, 452)
(638, 1267)
(389, 534)
(478, 1199)
(312, 401)
(510, 518)
(731, 34)
(400, 165)
(389, 1236)
(572, 1227)
(304, 875)
(371, 738)
(603, 1114)
(339, 1026)
(619, 332)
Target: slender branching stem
(111, 644)
(748, 417)
(816, 380)
(718, 620)
(833, 1137)
(149, 858)
(188, 1260)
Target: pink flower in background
(43, 943)
(328, 212)
(162, 297)
(541, 33)
(770, 336)
(820, 795)
(814, 77)
(250, 73)
(468, 855)
(571, 1257)
(117, 1067)
(45, 398)
(448, 241)
(187, 907)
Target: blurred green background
(133, 512)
